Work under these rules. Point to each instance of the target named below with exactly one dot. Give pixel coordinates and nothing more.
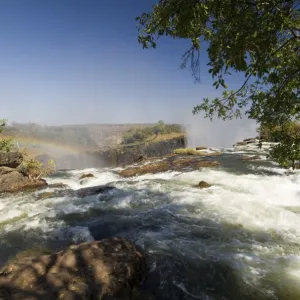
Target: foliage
(287, 152)
(260, 39)
(6, 144)
(135, 135)
(35, 169)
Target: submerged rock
(107, 269)
(204, 185)
(11, 159)
(45, 195)
(168, 164)
(12, 180)
(253, 157)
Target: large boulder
(12, 180)
(11, 159)
(107, 269)
(170, 163)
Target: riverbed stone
(251, 157)
(106, 269)
(204, 185)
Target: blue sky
(78, 61)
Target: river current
(239, 239)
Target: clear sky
(78, 61)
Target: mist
(217, 133)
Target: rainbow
(38, 146)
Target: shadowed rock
(201, 148)
(11, 159)
(107, 269)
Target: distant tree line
(137, 135)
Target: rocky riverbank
(12, 179)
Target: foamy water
(238, 239)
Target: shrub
(35, 169)
(6, 144)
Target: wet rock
(94, 190)
(89, 175)
(107, 269)
(13, 181)
(58, 185)
(44, 195)
(253, 157)
(11, 159)
(201, 148)
(240, 144)
(168, 164)
(204, 185)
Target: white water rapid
(239, 239)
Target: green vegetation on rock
(137, 135)
(6, 144)
(259, 39)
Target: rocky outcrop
(11, 159)
(171, 163)
(107, 269)
(12, 180)
(120, 156)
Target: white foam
(261, 205)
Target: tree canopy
(259, 38)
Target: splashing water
(238, 239)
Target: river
(239, 239)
